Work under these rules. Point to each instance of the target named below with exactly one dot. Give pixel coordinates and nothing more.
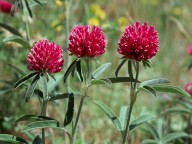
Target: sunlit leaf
(70, 110)
(18, 40)
(155, 82)
(140, 120)
(171, 89)
(177, 110)
(100, 70)
(12, 139)
(44, 88)
(123, 116)
(24, 79)
(148, 141)
(10, 29)
(153, 131)
(110, 114)
(43, 124)
(101, 81)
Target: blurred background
(54, 20)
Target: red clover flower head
(189, 50)
(87, 42)
(188, 88)
(5, 6)
(45, 57)
(139, 42)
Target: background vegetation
(54, 20)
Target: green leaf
(101, 81)
(130, 70)
(33, 117)
(38, 2)
(31, 88)
(148, 141)
(123, 116)
(24, 79)
(148, 89)
(146, 63)
(119, 67)
(173, 136)
(153, 131)
(100, 70)
(154, 82)
(78, 67)
(70, 110)
(44, 89)
(140, 120)
(10, 29)
(43, 124)
(18, 40)
(59, 96)
(177, 110)
(110, 114)
(14, 7)
(121, 79)
(37, 140)
(12, 139)
(70, 68)
(28, 9)
(171, 89)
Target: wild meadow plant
(138, 44)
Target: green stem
(43, 113)
(84, 90)
(132, 96)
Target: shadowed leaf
(10, 29)
(119, 67)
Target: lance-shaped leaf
(149, 141)
(43, 124)
(148, 90)
(31, 88)
(78, 68)
(121, 79)
(70, 110)
(146, 63)
(101, 81)
(12, 139)
(173, 136)
(119, 67)
(171, 89)
(110, 114)
(69, 70)
(59, 96)
(28, 9)
(155, 82)
(140, 120)
(44, 88)
(18, 40)
(38, 2)
(37, 140)
(24, 79)
(14, 7)
(123, 116)
(100, 70)
(33, 117)
(177, 110)
(10, 29)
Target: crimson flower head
(45, 57)
(189, 50)
(188, 88)
(139, 42)
(5, 6)
(87, 42)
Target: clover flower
(87, 42)
(45, 57)
(188, 88)
(139, 42)
(5, 6)
(189, 50)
